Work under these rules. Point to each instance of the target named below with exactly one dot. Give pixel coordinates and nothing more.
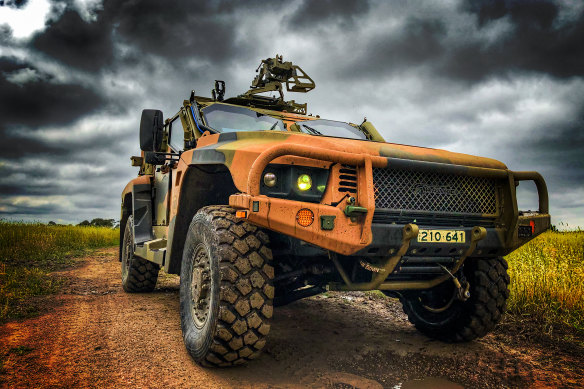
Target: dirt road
(95, 335)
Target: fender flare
(137, 201)
(201, 185)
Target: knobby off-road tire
(226, 291)
(138, 274)
(468, 320)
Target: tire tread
(142, 274)
(245, 303)
(489, 293)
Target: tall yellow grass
(28, 252)
(547, 279)
(24, 242)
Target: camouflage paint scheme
(238, 151)
(245, 155)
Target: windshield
(229, 118)
(330, 128)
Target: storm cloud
(502, 79)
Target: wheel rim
(200, 286)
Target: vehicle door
(163, 173)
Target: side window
(177, 135)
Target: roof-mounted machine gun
(272, 73)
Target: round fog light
(304, 182)
(270, 180)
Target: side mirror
(151, 128)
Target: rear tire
(226, 291)
(462, 321)
(138, 274)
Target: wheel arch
(137, 201)
(201, 185)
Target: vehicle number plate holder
(441, 236)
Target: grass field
(29, 252)
(547, 279)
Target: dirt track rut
(95, 335)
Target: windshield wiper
(311, 130)
(273, 125)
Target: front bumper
(358, 235)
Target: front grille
(386, 216)
(434, 192)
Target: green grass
(29, 252)
(376, 294)
(547, 280)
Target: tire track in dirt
(95, 335)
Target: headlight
(270, 180)
(293, 182)
(304, 182)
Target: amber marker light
(241, 214)
(305, 217)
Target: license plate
(441, 236)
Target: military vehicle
(255, 204)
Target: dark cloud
(540, 13)
(10, 64)
(561, 146)
(173, 30)
(32, 210)
(538, 42)
(13, 3)
(41, 178)
(76, 42)
(32, 100)
(15, 146)
(39, 101)
(5, 33)
(23, 189)
(18, 143)
(179, 29)
(419, 42)
(314, 14)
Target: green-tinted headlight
(304, 182)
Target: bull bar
(368, 161)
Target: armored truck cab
(256, 204)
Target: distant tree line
(97, 222)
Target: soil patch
(95, 335)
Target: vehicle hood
(238, 151)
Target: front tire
(438, 314)
(226, 291)
(138, 274)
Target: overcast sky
(501, 79)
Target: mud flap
(142, 211)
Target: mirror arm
(159, 158)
